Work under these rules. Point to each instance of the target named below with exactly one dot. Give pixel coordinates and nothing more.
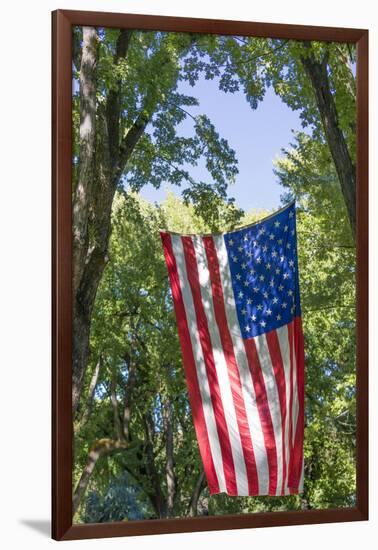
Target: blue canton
(264, 272)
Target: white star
(231, 242)
(281, 288)
(271, 236)
(284, 305)
(269, 312)
(274, 254)
(247, 328)
(265, 294)
(288, 245)
(262, 323)
(286, 275)
(259, 307)
(246, 238)
(264, 248)
(278, 317)
(249, 301)
(240, 294)
(280, 241)
(290, 292)
(282, 258)
(255, 289)
(278, 271)
(244, 311)
(291, 214)
(292, 309)
(252, 271)
(254, 243)
(286, 228)
(244, 265)
(276, 224)
(262, 230)
(249, 254)
(240, 248)
(235, 259)
(275, 300)
(268, 266)
(271, 283)
(261, 277)
(253, 317)
(238, 276)
(259, 260)
(246, 283)
(291, 263)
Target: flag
(237, 305)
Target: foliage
(122, 501)
(147, 80)
(327, 266)
(134, 299)
(133, 327)
(253, 64)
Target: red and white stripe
(246, 395)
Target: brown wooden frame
(62, 430)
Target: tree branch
(131, 383)
(100, 448)
(329, 307)
(91, 391)
(122, 45)
(114, 99)
(114, 402)
(129, 143)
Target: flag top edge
(262, 220)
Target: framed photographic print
(210, 274)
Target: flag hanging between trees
(237, 304)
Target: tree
(134, 415)
(134, 332)
(139, 409)
(127, 82)
(318, 73)
(327, 268)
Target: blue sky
(257, 137)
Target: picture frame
(62, 425)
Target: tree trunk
(83, 192)
(103, 157)
(131, 382)
(157, 497)
(346, 171)
(87, 141)
(169, 466)
(200, 484)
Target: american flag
(237, 305)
